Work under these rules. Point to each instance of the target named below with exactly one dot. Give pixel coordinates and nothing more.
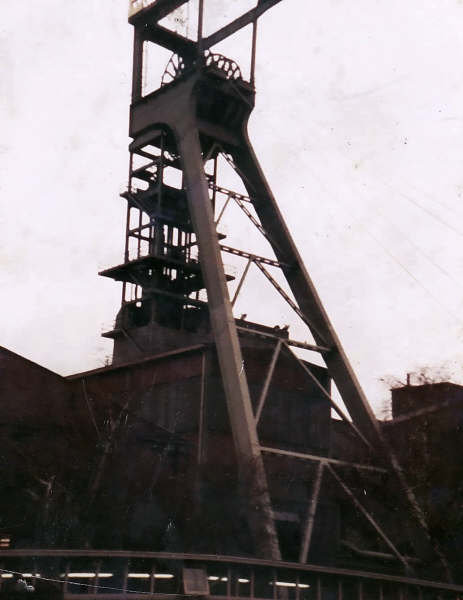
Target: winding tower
(216, 466)
(176, 291)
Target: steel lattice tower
(175, 287)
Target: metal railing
(137, 5)
(116, 574)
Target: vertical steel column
(223, 209)
(137, 69)
(234, 380)
(312, 509)
(268, 379)
(125, 576)
(152, 578)
(253, 52)
(97, 576)
(200, 455)
(66, 577)
(319, 590)
(240, 284)
(214, 183)
(200, 27)
(340, 594)
(229, 583)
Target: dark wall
(152, 466)
(413, 398)
(110, 458)
(427, 435)
(40, 446)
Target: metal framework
(173, 254)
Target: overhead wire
(415, 279)
(431, 214)
(395, 259)
(451, 209)
(414, 244)
(388, 252)
(419, 249)
(426, 210)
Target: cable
(418, 249)
(451, 209)
(386, 250)
(395, 259)
(392, 256)
(424, 209)
(100, 587)
(430, 213)
(412, 243)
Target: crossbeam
(170, 40)
(150, 15)
(153, 11)
(252, 218)
(294, 343)
(222, 190)
(254, 257)
(323, 459)
(245, 19)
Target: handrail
(244, 560)
(137, 5)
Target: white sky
(359, 129)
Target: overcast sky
(359, 129)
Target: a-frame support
(206, 107)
